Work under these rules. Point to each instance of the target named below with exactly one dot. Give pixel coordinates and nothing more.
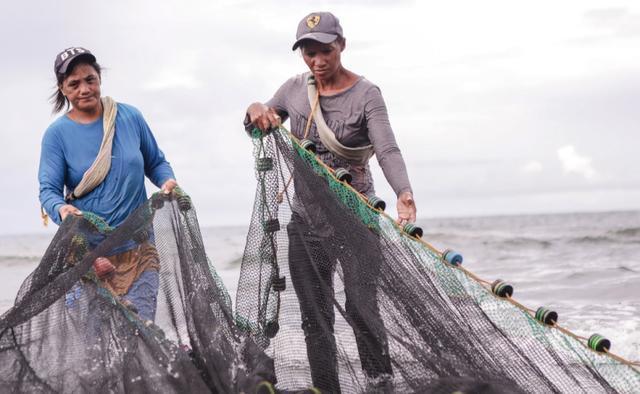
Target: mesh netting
(70, 331)
(344, 300)
(332, 295)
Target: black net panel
(344, 300)
(332, 295)
(71, 331)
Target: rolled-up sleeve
(384, 142)
(51, 174)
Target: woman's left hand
(168, 186)
(406, 208)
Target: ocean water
(584, 266)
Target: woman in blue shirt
(71, 145)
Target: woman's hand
(168, 186)
(68, 209)
(263, 117)
(406, 208)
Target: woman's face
(322, 59)
(82, 88)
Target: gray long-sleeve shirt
(358, 117)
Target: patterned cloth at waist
(130, 265)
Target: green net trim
(98, 222)
(179, 192)
(367, 215)
(456, 284)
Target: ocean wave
(623, 235)
(485, 238)
(624, 268)
(441, 235)
(19, 259)
(626, 232)
(527, 241)
(592, 239)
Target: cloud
(606, 16)
(476, 112)
(532, 167)
(620, 21)
(177, 73)
(572, 162)
(170, 80)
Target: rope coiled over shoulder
(102, 164)
(359, 155)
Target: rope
(361, 196)
(100, 167)
(306, 134)
(102, 163)
(360, 155)
(310, 117)
(44, 216)
(632, 364)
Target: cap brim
(63, 68)
(324, 38)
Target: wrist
(405, 194)
(253, 109)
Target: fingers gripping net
(70, 331)
(367, 308)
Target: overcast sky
(499, 107)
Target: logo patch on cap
(313, 21)
(70, 52)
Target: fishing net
(162, 322)
(342, 299)
(332, 297)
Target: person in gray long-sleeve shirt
(358, 117)
(354, 110)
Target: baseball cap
(65, 58)
(323, 27)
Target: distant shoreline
(50, 230)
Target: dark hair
(58, 99)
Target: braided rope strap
(360, 155)
(101, 165)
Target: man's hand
(263, 117)
(406, 208)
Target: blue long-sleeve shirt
(69, 149)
